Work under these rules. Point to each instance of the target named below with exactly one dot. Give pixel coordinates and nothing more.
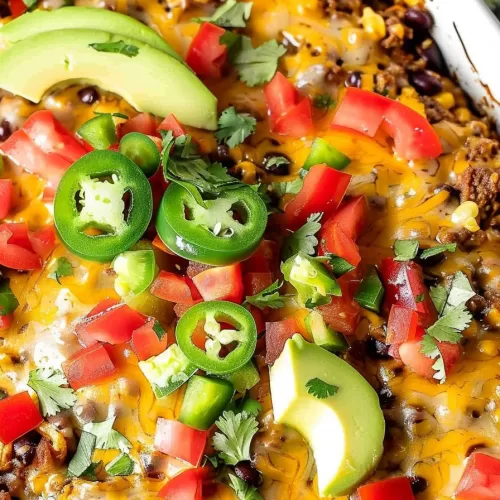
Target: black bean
(280, 168)
(386, 398)
(5, 130)
(418, 19)
(426, 83)
(88, 95)
(25, 447)
(354, 79)
(4, 10)
(433, 57)
(377, 349)
(418, 485)
(475, 447)
(247, 473)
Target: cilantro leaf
(233, 43)
(304, 239)
(30, 3)
(119, 47)
(231, 14)
(320, 389)
(62, 267)
(114, 115)
(53, 398)
(439, 296)
(269, 297)
(8, 301)
(405, 250)
(276, 161)
(339, 265)
(323, 101)
(289, 187)
(107, 437)
(430, 349)
(449, 326)
(159, 330)
(80, 464)
(460, 291)
(233, 443)
(234, 127)
(256, 66)
(122, 465)
(429, 252)
(243, 490)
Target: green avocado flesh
(152, 81)
(41, 21)
(345, 430)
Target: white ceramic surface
(468, 35)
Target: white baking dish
(468, 34)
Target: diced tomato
(221, 283)
(404, 286)
(289, 113)
(171, 123)
(6, 321)
(367, 112)
(402, 325)
(180, 441)
(187, 485)
(6, 192)
(195, 268)
(258, 317)
(264, 260)
(256, 282)
(44, 241)
(145, 341)
(88, 366)
(396, 488)
(44, 147)
(143, 123)
(481, 479)
(17, 8)
(16, 250)
(206, 56)
(277, 333)
(351, 216)
(342, 313)
(323, 190)
(158, 243)
(180, 309)
(175, 288)
(110, 322)
(18, 415)
(411, 355)
(80, 328)
(333, 240)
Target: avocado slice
(344, 430)
(40, 21)
(152, 81)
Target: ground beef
(349, 6)
(481, 185)
(397, 33)
(477, 305)
(435, 111)
(391, 80)
(465, 238)
(480, 149)
(4, 496)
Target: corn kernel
(446, 99)
(373, 23)
(413, 3)
(465, 216)
(488, 347)
(398, 30)
(463, 115)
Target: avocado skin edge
(152, 81)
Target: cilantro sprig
(81, 464)
(287, 187)
(122, 465)
(231, 14)
(62, 267)
(234, 127)
(405, 250)
(304, 239)
(243, 490)
(321, 389)
(8, 301)
(106, 437)
(269, 297)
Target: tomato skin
(16, 250)
(264, 260)
(221, 283)
(17, 8)
(297, 122)
(6, 192)
(187, 485)
(333, 240)
(145, 342)
(351, 216)
(180, 441)
(323, 190)
(171, 123)
(402, 325)
(144, 123)
(258, 317)
(18, 415)
(175, 288)
(256, 282)
(397, 488)
(367, 112)
(43, 241)
(481, 478)
(206, 56)
(88, 366)
(277, 333)
(6, 321)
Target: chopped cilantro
(339, 265)
(107, 437)
(210, 459)
(323, 101)
(62, 267)
(233, 443)
(8, 301)
(159, 330)
(53, 398)
(320, 389)
(81, 463)
(405, 250)
(276, 161)
(460, 291)
(234, 127)
(256, 66)
(289, 187)
(231, 14)
(122, 465)
(119, 47)
(420, 297)
(429, 252)
(304, 239)
(269, 297)
(114, 115)
(243, 490)
(439, 296)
